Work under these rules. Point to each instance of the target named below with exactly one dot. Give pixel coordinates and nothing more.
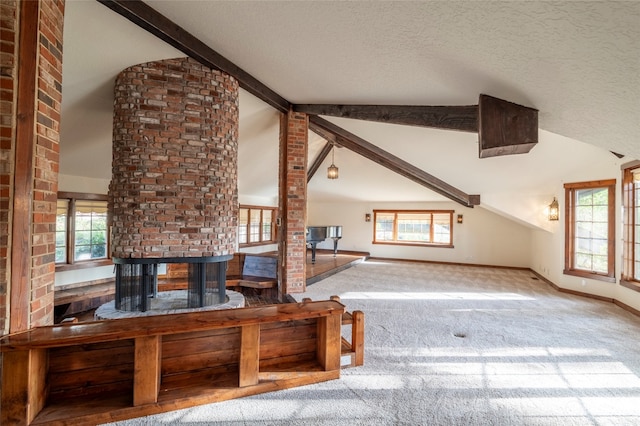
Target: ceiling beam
(461, 118)
(390, 161)
(157, 24)
(326, 149)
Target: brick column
(292, 247)
(174, 186)
(31, 89)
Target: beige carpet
(451, 345)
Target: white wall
(483, 238)
(547, 247)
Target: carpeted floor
(452, 345)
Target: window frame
(569, 247)
(629, 203)
(262, 241)
(397, 242)
(70, 263)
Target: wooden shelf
(103, 371)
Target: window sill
(633, 285)
(263, 243)
(589, 275)
(412, 244)
(84, 265)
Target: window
(414, 227)
(255, 225)
(631, 226)
(590, 229)
(81, 230)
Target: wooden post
(357, 336)
(249, 355)
(146, 375)
(24, 391)
(329, 341)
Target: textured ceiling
(578, 63)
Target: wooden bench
(104, 371)
(259, 272)
(81, 297)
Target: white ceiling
(578, 63)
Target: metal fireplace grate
(137, 281)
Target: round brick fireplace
(173, 193)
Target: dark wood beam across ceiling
(452, 118)
(461, 118)
(157, 24)
(390, 161)
(326, 149)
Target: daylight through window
(413, 227)
(631, 228)
(81, 228)
(590, 230)
(255, 225)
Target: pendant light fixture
(332, 170)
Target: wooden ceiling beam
(461, 118)
(157, 24)
(390, 161)
(326, 149)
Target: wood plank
(461, 118)
(257, 282)
(146, 376)
(38, 364)
(196, 345)
(24, 388)
(91, 378)
(306, 331)
(63, 360)
(116, 329)
(357, 337)
(249, 355)
(391, 162)
(326, 149)
(199, 361)
(15, 389)
(260, 266)
(291, 348)
(329, 341)
(157, 24)
(23, 170)
(506, 128)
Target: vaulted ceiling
(578, 63)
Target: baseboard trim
(520, 268)
(589, 295)
(390, 259)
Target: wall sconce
(367, 217)
(459, 218)
(553, 210)
(332, 170)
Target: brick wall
(47, 153)
(293, 202)
(174, 189)
(7, 124)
